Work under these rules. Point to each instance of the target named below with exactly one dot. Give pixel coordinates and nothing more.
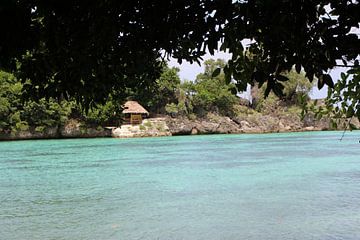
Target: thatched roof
(134, 107)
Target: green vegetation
(342, 104)
(212, 92)
(208, 93)
(344, 99)
(88, 50)
(10, 92)
(295, 93)
(209, 96)
(19, 115)
(148, 124)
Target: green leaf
(352, 71)
(282, 78)
(216, 72)
(343, 76)
(350, 112)
(320, 83)
(233, 90)
(328, 80)
(310, 76)
(224, 46)
(259, 77)
(267, 91)
(227, 78)
(241, 85)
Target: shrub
(40, 129)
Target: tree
(296, 87)
(89, 49)
(157, 94)
(295, 92)
(44, 113)
(209, 92)
(10, 93)
(166, 87)
(19, 115)
(213, 93)
(183, 104)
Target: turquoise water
(272, 186)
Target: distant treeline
(210, 92)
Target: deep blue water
(267, 186)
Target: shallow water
(266, 186)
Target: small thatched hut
(134, 112)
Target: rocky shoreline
(72, 129)
(215, 124)
(168, 126)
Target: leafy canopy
(87, 49)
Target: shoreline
(167, 126)
(177, 135)
(16, 138)
(110, 137)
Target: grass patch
(147, 124)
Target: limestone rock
(153, 127)
(310, 128)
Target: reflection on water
(271, 186)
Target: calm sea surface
(272, 186)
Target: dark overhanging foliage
(86, 49)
